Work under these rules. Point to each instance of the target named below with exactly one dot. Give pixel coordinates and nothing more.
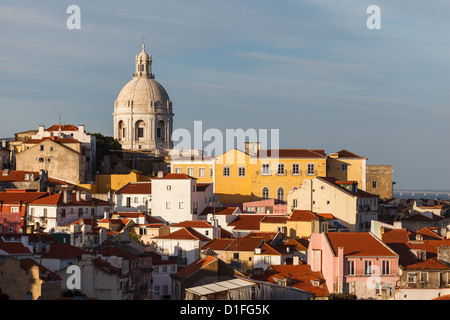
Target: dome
(143, 92)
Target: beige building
(25, 279)
(352, 207)
(379, 180)
(61, 158)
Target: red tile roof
(192, 224)
(305, 215)
(359, 244)
(347, 154)
(395, 235)
(57, 199)
(14, 247)
(136, 188)
(176, 176)
(185, 234)
(17, 196)
(430, 234)
(196, 266)
(55, 139)
(218, 244)
(267, 249)
(274, 219)
(64, 127)
(60, 250)
(423, 218)
(247, 222)
(300, 277)
(219, 210)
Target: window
(374, 184)
(10, 229)
(267, 260)
(41, 159)
(201, 172)
(265, 170)
(250, 209)
(241, 171)
(181, 205)
(80, 212)
(424, 276)
(295, 169)
(169, 187)
(368, 264)
(226, 171)
(190, 172)
(136, 200)
(157, 290)
(311, 169)
(236, 255)
(167, 205)
(178, 170)
(280, 194)
(165, 289)
(42, 148)
(63, 213)
(259, 209)
(14, 209)
(140, 132)
(280, 168)
(351, 267)
(45, 212)
(172, 269)
(411, 277)
(344, 167)
(386, 267)
(164, 269)
(294, 203)
(265, 193)
(211, 172)
(51, 148)
(128, 202)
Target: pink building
(10, 222)
(354, 262)
(265, 206)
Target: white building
(133, 197)
(178, 197)
(61, 209)
(162, 281)
(352, 207)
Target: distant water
(422, 194)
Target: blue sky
(310, 68)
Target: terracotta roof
(225, 233)
(359, 244)
(195, 266)
(429, 233)
(44, 273)
(347, 154)
(14, 175)
(267, 249)
(292, 153)
(203, 186)
(60, 250)
(129, 214)
(17, 196)
(430, 264)
(14, 247)
(55, 139)
(57, 199)
(395, 235)
(176, 176)
(300, 244)
(444, 297)
(268, 236)
(219, 210)
(218, 244)
(245, 244)
(192, 224)
(274, 219)
(422, 217)
(184, 234)
(305, 215)
(64, 127)
(328, 216)
(136, 188)
(300, 277)
(247, 222)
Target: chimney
(41, 130)
(160, 174)
(81, 128)
(66, 194)
(3, 143)
(295, 260)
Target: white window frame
(242, 171)
(202, 172)
(167, 205)
(190, 172)
(351, 267)
(311, 169)
(296, 169)
(226, 170)
(265, 169)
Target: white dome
(143, 92)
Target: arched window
(139, 127)
(160, 128)
(121, 129)
(280, 194)
(265, 193)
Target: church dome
(143, 92)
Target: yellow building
(347, 166)
(259, 174)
